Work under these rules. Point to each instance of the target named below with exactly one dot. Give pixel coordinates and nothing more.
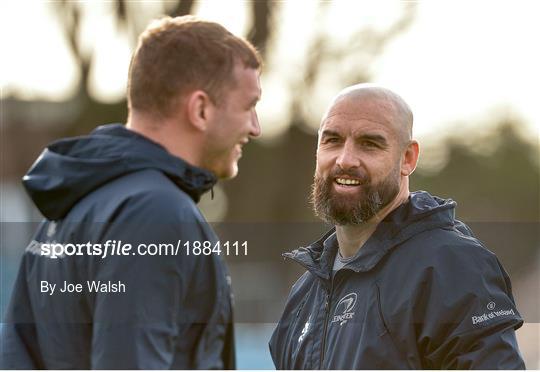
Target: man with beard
(398, 283)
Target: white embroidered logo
(344, 308)
(477, 319)
(51, 229)
(305, 330)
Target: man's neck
(352, 237)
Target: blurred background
(469, 70)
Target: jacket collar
(314, 257)
(70, 168)
(420, 213)
(193, 180)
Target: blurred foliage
(131, 21)
(354, 58)
(502, 184)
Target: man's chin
(348, 197)
(228, 173)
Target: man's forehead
(363, 103)
(344, 125)
(247, 87)
(247, 76)
(359, 114)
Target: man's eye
(331, 140)
(370, 144)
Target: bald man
(398, 283)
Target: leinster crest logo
(344, 309)
(305, 330)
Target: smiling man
(114, 194)
(398, 283)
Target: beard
(355, 209)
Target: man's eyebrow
(329, 133)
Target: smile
(347, 181)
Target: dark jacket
(421, 293)
(175, 312)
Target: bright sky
(460, 62)
(465, 59)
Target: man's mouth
(347, 181)
(238, 148)
(241, 144)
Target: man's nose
(348, 157)
(255, 130)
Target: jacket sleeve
(19, 347)
(491, 348)
(141, 328)
(469, 313)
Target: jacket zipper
(325, 329)
(326, 308)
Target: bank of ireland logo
(344, 309)
(491, 305)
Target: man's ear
(200, 109)
(410, 158)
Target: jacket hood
(420, 213)
(69, 169)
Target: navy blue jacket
(421, 293)
(176, 309)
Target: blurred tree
(91, 112)
(506, 178)
(347, 64)
(129, 20)
(261, 27)
(498, 193)
(281, 192)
